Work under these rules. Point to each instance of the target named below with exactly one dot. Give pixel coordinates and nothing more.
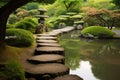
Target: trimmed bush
(27, 24)
(12, 71)
(98, 31)
(19, 37)
(13, 19)
(31, 6)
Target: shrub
(13, 19)
(10, 26)
(12, 71)
(32, 5)
(32, 20)
(27, 24)
(98, 31)
(19, 37)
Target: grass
(8, 53)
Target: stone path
(47, 63)
(48, 44)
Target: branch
(13, 5)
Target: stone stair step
(52, 70)
(49, 50)
(46, 35)
(48, 44)
(68, 77)
(46, 38)
(48, 41)
(47, 58)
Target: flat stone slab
(51, 69)
(47, 58)
(48, 41)
(49, 44)
(68, 77)
(48, 38)
(48, 49)
(46, 35)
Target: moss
(98, 31)
(19, 38)
(12, 71)
(27, 24)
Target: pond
(92, 59)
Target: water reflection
(93, 59)
(84, 71)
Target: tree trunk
(3, 21)
(5, 11)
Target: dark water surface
(92, 59)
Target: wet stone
(51, 69)
(48, 41)
(49, 50)
(46, 38)
(48, 44)
(47, 58)
(68, 77)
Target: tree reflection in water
(103, 55)
(72, 56)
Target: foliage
(31, 6)
(99, 4)
(12, 71)
(45, 1)
(104, 17)
(13, 19)
(27, 24)
(98, 31)
(116, 2)
(10, 26)
(71, 4)
(19, 37)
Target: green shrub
(13, 19)
(10, 26)
(19, 37)
(31, 6)
(12, 71)
(32, 20)
(27, 24)
(98, 31)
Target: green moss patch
(19, 38)
(98, 31)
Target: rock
(46, 38)
(47, 58)
(48, 41)
(48, 44)
(52, 70)
(46, 35)
(79, 27)
(87, 36)
(49, 50)
(68, 77)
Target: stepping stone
(68, 77)
(52, 70)
(50, 50)
(48, 38)
(46, 35)
(49, 44)
(48, 41)
(47, 58)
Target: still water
(92, 59)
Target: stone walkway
(47, 63)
